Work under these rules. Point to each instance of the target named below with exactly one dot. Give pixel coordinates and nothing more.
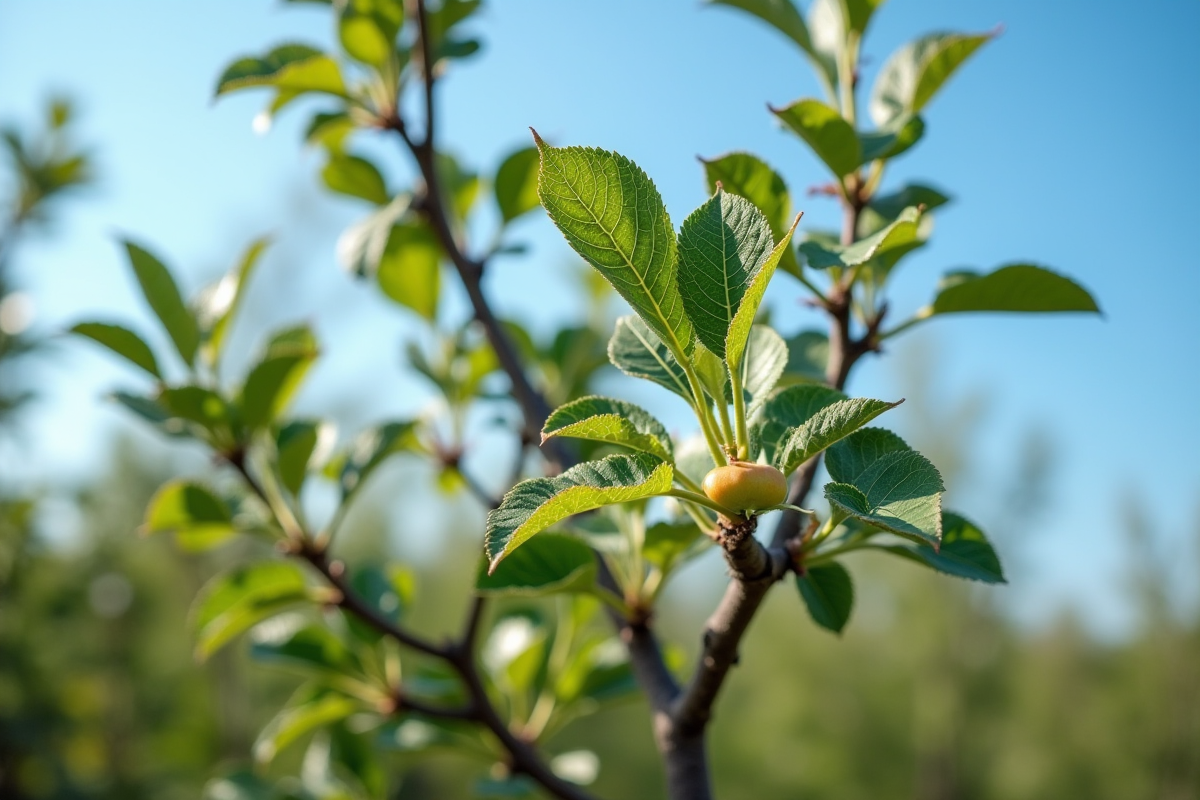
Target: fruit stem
(742, 439)
(703, 413)
(702, 500)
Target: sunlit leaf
(900, 492)
(965, 552)
(546, 564)
(235, 601)
(1016, 287)
(603, 419)
(164, 299)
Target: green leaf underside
(750, 177)
(722, 244)
(198, 518)
(828, 593)
(743, 319)
(1014, 288)
(789, 409)
(270, 386)
(914, 73)
(827, 426)
(884, 209)
(965, 552)
(764, 362)
(534, 505)
(612, 215)
(782, 15)
(891, 140)
(850, 458)
(121, 341)
(235, 601)
(902, 231)
(603, 419)
(355, 177)
(546, 564)
(315, 709)
(637, 351)
(291, 68)
(164, 299)
(831, 137)
(901, 492)
(409, 271)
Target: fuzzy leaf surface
(603, 419)
(827, 426)
(901, 492)
(748, 176)
(787, 410)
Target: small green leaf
(782, 15)
(308, 647)
(828, 594)
(766, 358)
(274, 380)
(722, 245)
(368, 28)
(901, 492)
(356, 177)
(202, 407)
(369, 450)
(882, 210)
(965, 552)
(637, 351)
(743, 320)
(832, 138)
(534, 505)
(602, 419)
(295, 445)
(847, 460)
(750, 177)
(892, 139)
(162, 294)
(291, 68)
(309, 709)
(547, 564)
(516, 184)
(789, 409)
(666, 544)
(235, 601)
(858, 13)
(409, 270)
(904, 231)
(227, 299)
(121, 341)
(330, 130)
(915, 72)
(826, 426)
(612, 215)
(1016, 287)
(198, 518)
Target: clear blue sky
(1070, 141)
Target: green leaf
(295, 445)
(198, 518)
(750, 177)
(330, 130)
(828, 594)
(847, 460)
(822, 255)
(356, 177)
(915, 72)
(782, 15)
(859, 12)
(1016, 287)
(534, 505)
(891, 140)
(743, 320)
(787, 410)
(269, 388)
(369, 450)
(368, 28)
(901, 492)
(712, 374)
(227, 299)
(235, 601)
(202, 407)
(808, 358)
(516, 184)
(832, 138)
(121, 341)
(291, 68)
(722, 245)
(612, 215)
(882, 210)
(826, 426)
(239, 785)
(309, 709)
(308, 647)
(547, 564)
(965, 552)
(460, 186)
(766, 358)
(162, 294)
(666, 543)
(637, 351)
(602, 419)
(409, 270)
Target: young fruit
(746, 486)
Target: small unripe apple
(746, 486)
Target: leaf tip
(537, 139)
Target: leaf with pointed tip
(162, 294)
(766, 358)
(831, 137)
(611, 214)
(882, 210)
(782, 15)
(235, 601)
(850, 458)
(750, 177)
(914, 73)
(409, 269)
(858, 13)
(828, 593)
(821, 255)
(121, 341)
(355, 176)
(291, 68)
(827, 426)
(547, 564)
(1016, 287)
(637, 351)
(722, 244)
(516, 184)
(274, 380)
(892, 139)
(743, 319)
(667, 544)
(901, 492)
(198, 518)
(603, 419)
(789, 409)
(227, 299)
(312, 707)
(367, 30)
(294, 446)
(965, 552)
(534, 505)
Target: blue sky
(1070, 141)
